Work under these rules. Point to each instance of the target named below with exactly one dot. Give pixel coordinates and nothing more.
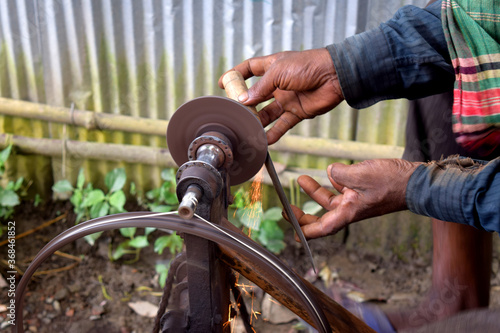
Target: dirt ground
(94, 294)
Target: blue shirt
(468, 195)
(406, 57)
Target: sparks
(256, 197)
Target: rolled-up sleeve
(456, 194)
(406, 57)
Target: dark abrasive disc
(223, 115)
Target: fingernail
(243, 97)
(329, 169)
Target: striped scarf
(472, 31)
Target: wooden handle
(235, 85)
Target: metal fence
(145, 58)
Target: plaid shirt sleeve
(468, 195)
(405, 57)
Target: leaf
(4, 154)
(79, 217)
(173, 242)
(114, 210)
(6, 212)
(77, 198)
(120, 250)
(99, 210)
(171, 198)
(38, 199)
(251, 216)
(153, 194)
(164, 191)
(80, 179)
(272, 230)
(115, 179)
(271, 236)
(128, 232)
(144, 309)
(117, 199)
(273, 214)
(139, 242)
(133, 188)
(160, 208)
(311, 207)
(275, 246)
(148, 230)
(163, 271)
(62, 186)
(168, 175)
(93, 197)
(161, 268)
(9, 198)
(92, 238)
(161, 243)
(18, 183)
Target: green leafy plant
(163, 199)
(261, 225)
(9, 195)
(9, 198)
(162, 270)
(133, 244)
(89, 202)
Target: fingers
(315, 227)
(270, 113)
(328, 224)
(260, 91)
(284, 123)
(321, 195)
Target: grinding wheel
(228, 117)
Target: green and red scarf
(472, 31)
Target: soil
(93, 295)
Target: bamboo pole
(125, 153)
(89, 150)
(90, 120)
(86, 119)
(352, 150)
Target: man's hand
(304, 85)
(367, 189)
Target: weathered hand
(304, 85)
(367, 189)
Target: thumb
(340, 175)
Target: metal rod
(189, 202)
(210, 154)
(286, 206)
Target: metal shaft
(209, 154)
(286, 206)
(189, 202)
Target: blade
(286, 206)
(223, 115)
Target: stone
(276, 313)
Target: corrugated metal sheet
(145, 58)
